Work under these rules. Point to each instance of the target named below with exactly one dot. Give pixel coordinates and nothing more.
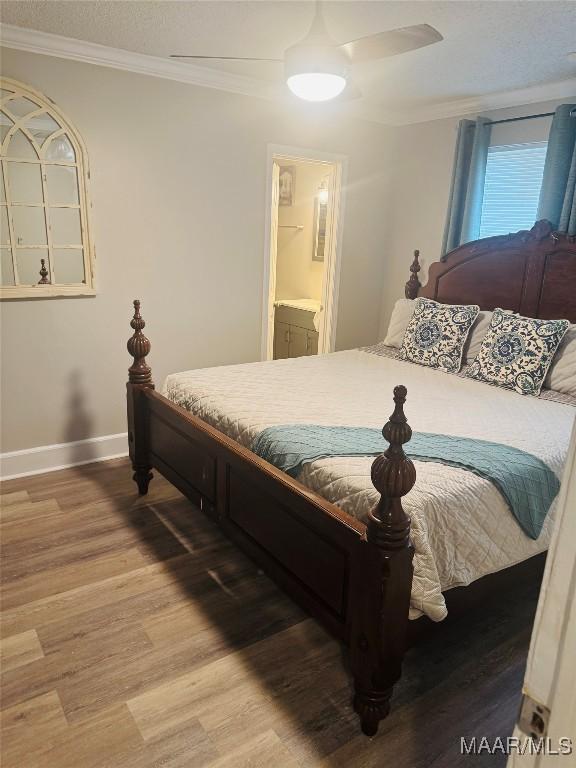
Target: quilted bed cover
(462, 529)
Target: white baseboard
(49, 458)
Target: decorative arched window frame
(53, 209)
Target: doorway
(302, 253)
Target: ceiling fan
(317, 68)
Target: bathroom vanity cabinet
(294, 332)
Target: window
(45, 247)
(512, 187)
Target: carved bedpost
(139, 379)
(382, 575)
(139, 347)
(413, 285)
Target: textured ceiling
(489, 47)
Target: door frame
(333, 258)
(551, 665)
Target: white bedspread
(462, 528)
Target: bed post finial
(393, 476)
(139, 346)
(413, 285)
(139, 381)
(383, 578)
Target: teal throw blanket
(527, 484)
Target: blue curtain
(467, 188)
(558, 194)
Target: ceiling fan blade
(222, 58)
(390, 43)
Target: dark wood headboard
(530, 272)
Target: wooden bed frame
(355, 578)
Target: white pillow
(562, 373)
(401, 316)
(474, 341)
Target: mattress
(462, 528)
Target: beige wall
(297, 275)
(178, 186)
(420, 183)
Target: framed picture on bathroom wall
(320, 218)
(287, 183)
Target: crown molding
(48, 44)
(503, 100)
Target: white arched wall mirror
(45, 245)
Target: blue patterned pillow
(436, 334)
(516, 351)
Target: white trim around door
(339, 164)
(546, 731)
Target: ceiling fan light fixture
(316, 72)
(317, 67)
(316, 86)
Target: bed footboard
(355, 578)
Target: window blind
(512, 187)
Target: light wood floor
(135, 636)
